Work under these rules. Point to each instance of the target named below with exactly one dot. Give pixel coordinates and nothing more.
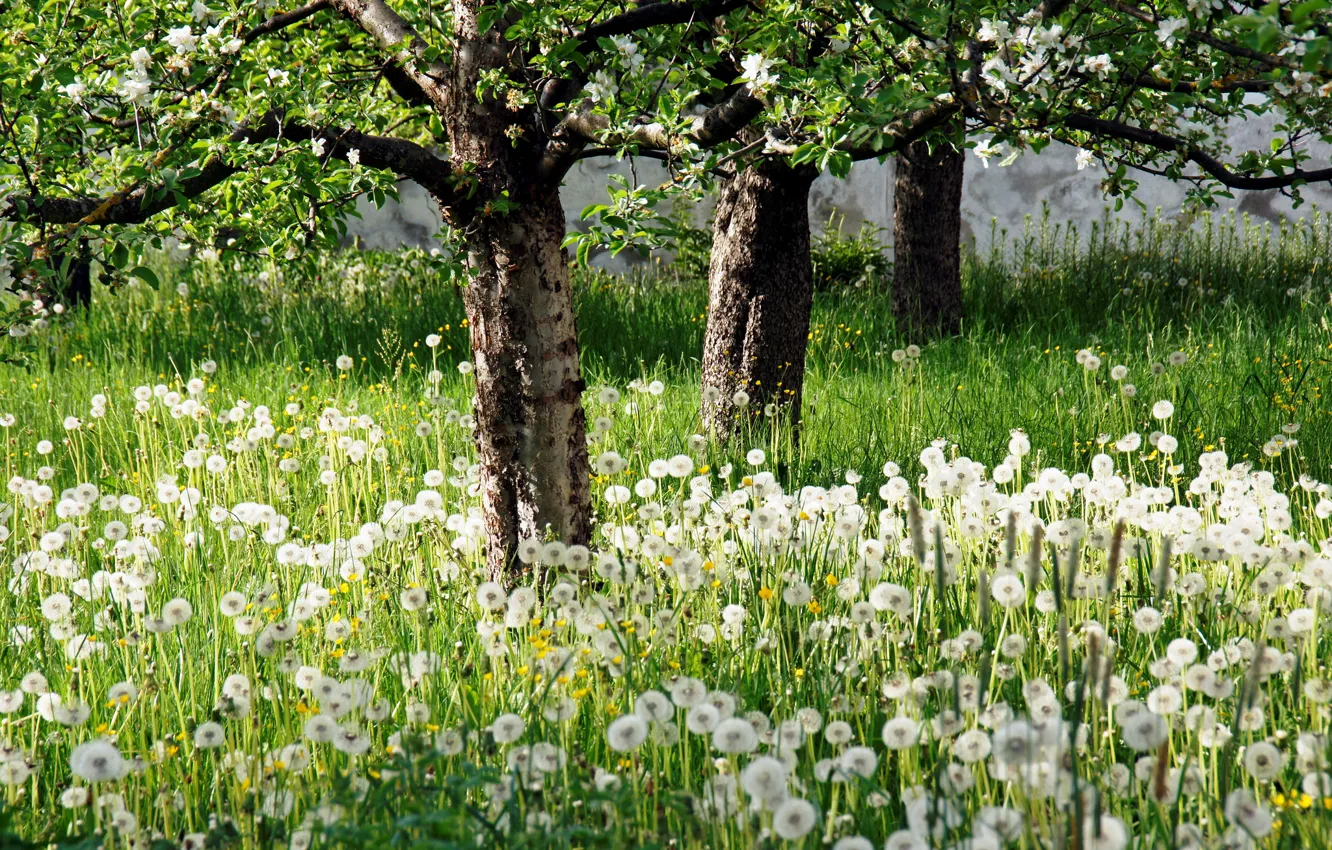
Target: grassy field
(1248, 310)
(245, 607)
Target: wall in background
(1001, 197)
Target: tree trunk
(531, 429)
(760, 290)
(927, 236)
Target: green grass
(817, 642)
(1252, 321)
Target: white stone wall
(1002, 195)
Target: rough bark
(760, 289)
(927, 235)
(531, 428)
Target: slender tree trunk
(760, 290)
(927, 236)
(531, 429)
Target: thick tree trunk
(531, 428)
(927, 236)
(760, 289)
(531, 431)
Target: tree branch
(648, 15)
(1214, 167)
(1237, 50)
(721, 122)
(399, 40)
(909, 128)
(403, 85)
(132, 205)
(643, 16)
(385, 153)
(284, 20)
(716, 126)
(1189, 87)
(1052, 8)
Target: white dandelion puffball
(764, 778)
(794, 819)
(627, 733)
(507, 728)
(97, 761)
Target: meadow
(1059, 581)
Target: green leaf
(120, 255)
(146, 275)
(1300, 12)
(807, 152)
(838, 163)
(486, 17)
